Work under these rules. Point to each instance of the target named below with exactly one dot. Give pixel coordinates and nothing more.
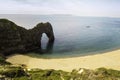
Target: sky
(100, 8)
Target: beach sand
(107, 60)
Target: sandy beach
(107, 60)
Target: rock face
(14, 38)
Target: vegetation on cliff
(20, 72)
(14, 38)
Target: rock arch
(40, 29)
(14, 38)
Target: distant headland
(14, 38)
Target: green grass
(3, 62)
(18, 73)
(48, 74)
(13, 72)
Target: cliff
(14, 38)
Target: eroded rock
(14, 38)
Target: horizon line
(60, 15)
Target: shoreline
(107, 60)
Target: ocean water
(74, 35)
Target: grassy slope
(21, 73)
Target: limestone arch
(44, 28)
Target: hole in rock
(44, 41)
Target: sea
(74, 35)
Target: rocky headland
(14, 38)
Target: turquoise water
(75, 35)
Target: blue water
(75, 35)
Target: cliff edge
(14, 38)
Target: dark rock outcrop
(14, 38)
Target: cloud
(75, 7)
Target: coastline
(107, 60)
